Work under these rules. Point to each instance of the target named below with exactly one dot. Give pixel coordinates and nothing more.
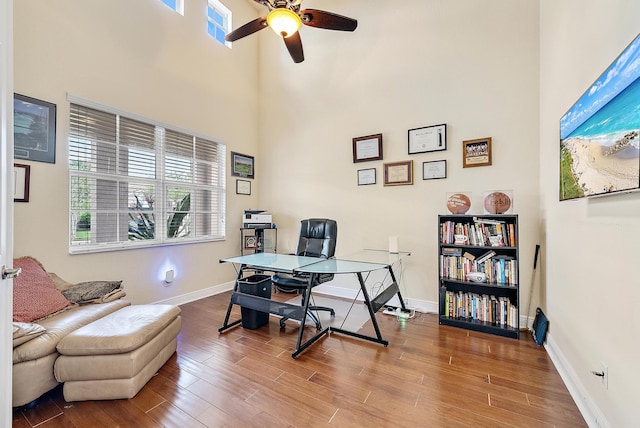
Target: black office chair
(317, 239)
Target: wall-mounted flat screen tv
(600, 134)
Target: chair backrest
(317, 238)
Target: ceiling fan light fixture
(284, 22)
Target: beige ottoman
(115, 356)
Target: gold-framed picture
(398, 173)
(476, 152)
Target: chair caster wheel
(282, 325)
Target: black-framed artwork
(427, 139)
(243, 187)
(434, 169)
(34, 129)
(242, 165)
(366, 176)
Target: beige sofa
(43, 315)
(33, 361)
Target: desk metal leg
(378, 338)
(307, 298)
(226, 325)
(393, 278)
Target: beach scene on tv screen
(600, 134)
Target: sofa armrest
(25, 331)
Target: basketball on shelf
(497, 203)
(458, 203)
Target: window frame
(226, 13)
(161, 185)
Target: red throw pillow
(34, 294)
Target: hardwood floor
(428, 376)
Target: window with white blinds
(137, 183)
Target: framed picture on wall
(428, 139)
(434, 170)
(398, 173)
(242, 165)
(34, 129)
(366, 176)
(476, 152)
(367, 148)
(243, 187)
(21, 176)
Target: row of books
(481, 232)
(480, 307)
(498, 269)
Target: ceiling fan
(285, 18)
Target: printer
(256, 219)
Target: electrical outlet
(605, 378)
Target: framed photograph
(242, 165)
(428, 139)
(366, 176)
(34, 129)
(243, 187)
(21, 182)
(250, 242)
(398, 173)
(476, 152)
(434, 170)
(367, 148)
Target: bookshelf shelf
(482, 326)
(487, 244)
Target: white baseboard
(590, 411)
(197, 295)
(350, 293)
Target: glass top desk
(363, 262)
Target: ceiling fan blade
(294, 46)
(327, 20)
(247, 29)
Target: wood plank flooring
(429, 375)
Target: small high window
(218, 21)
(177, 5)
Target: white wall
(591, 291)
(143, 58)
(472, 65)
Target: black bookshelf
(491, 306)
